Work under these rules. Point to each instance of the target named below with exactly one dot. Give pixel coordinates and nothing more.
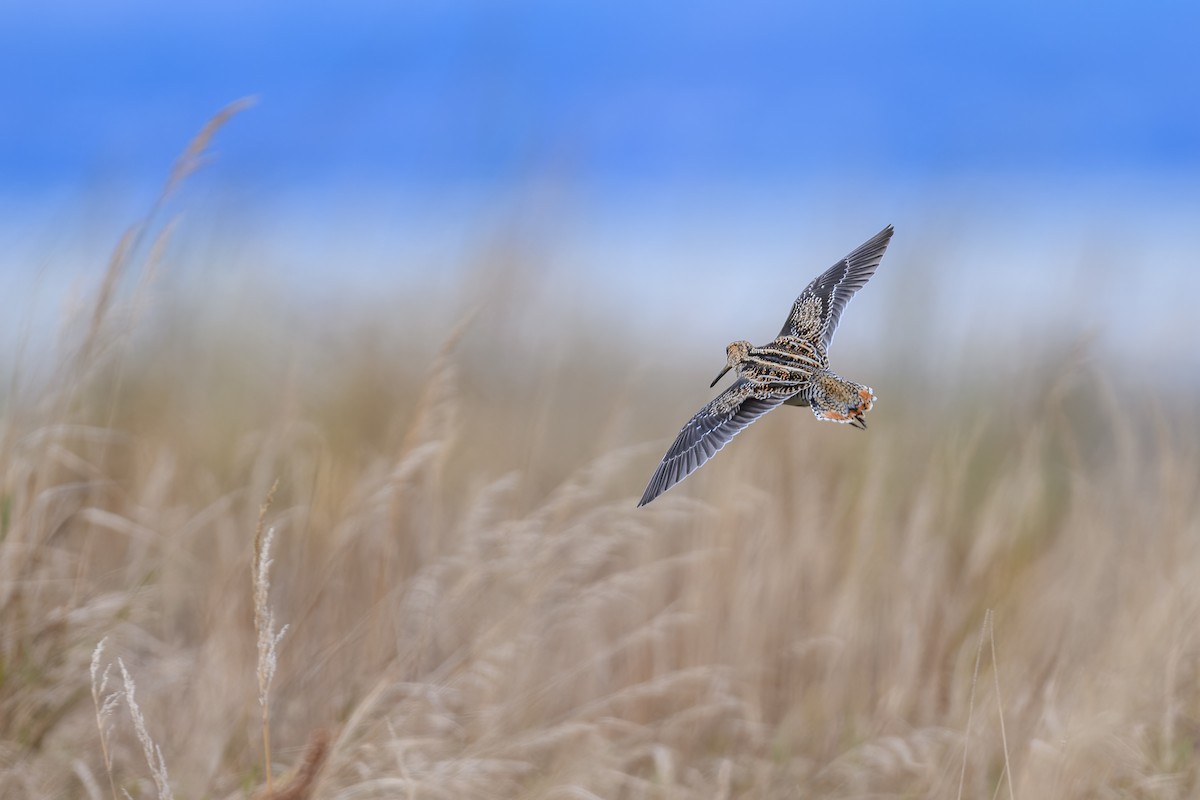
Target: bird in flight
(792, 370)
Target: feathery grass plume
(154, 756)
(191, 159)
(105, 703)
(193, 156)
(423, 453)
(264, 624)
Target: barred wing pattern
(706, 433)
(819, 307)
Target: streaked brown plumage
(791, 370)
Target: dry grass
(477, 609)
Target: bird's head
(836, 400)
(735, 353)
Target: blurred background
(454, 281)
(680, 169)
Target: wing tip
(660, 481)
(881, 238)
(652, 488)
(866, 257)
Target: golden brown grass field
(476, 609)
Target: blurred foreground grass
(477, 609)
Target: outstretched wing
(706, 433)
(817, 310)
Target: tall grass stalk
(132, 241)
(989, 621)
(105, 703)
(152, 752)
(264, 625)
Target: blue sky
(1020, 147)
(613, 94)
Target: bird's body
(792, 370)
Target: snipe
(791, 370)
